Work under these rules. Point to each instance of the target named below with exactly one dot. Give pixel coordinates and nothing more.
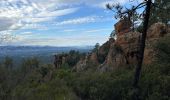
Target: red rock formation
(155, 32)
(93, 58)
(123, 26)
(123, 51)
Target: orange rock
(123, 26)
(124, 51)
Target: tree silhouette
(130, 13)
(96, 47)
(160, 11)
(142, 43)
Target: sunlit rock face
(128, 47)
(123, 26)
(123, 52)
(155, 33)
(157, 30)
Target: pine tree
(96, 47)
(160, 11)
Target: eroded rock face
(104, 50)
(59, 60)
(114, 58)
(155, 32)
(123, 26)
(71, 59)
(123, 52)
(81, 65)
(95, 58)
(84, 63)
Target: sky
(56, 22)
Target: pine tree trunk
(142, 44)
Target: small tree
(160, 11)
(113, 34)
(122, 13)
(96, 47)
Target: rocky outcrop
(155, 33)
(122, 52)
(59, 60)
(70, 59)
(123, 26)
(104, 50)
(81, 65)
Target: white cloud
(16, 26)
(57, 12)
(29, 14)
(82, 20)
(69, 30)
(96, 30)
(17, 13)
(24, 37)
(34, 26)
(37, 19)
(6, 23)
(91, 2)
(6, 37)
(83, 38)
(26, 33)
(78, 40)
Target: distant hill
(44, 53)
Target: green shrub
(163, 50)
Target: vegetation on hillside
(34, 81)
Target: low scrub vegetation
(34, 81)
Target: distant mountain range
(44, 53)
(44, 47)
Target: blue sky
(56, 22)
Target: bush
(163, 48)
(53, 90)
(101, 86)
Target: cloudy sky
(56, 22)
